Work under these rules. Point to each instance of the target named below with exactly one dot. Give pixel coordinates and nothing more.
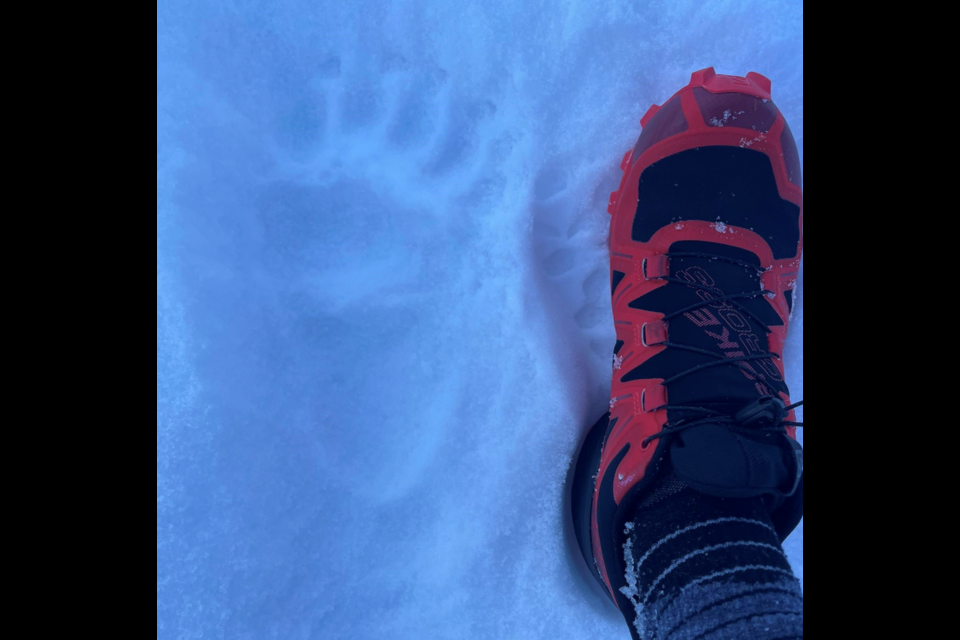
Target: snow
(728, 116)
(383, 318)
(631, 591)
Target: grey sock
(705, 568)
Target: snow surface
(383, 323)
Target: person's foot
(705, 247)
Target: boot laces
(767, 413)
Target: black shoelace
(710, 416)
(773, 411)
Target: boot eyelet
(660, 266)
(654, 400)
(659, 334)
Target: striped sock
(705, 568)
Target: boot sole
(582, 491)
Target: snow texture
(383, 320)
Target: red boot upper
(712, 111)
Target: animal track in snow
(549, 183)
(570, 241)
(560, 262)
(382, 171)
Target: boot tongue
(718, 461)
(721, 327)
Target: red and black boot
(705, 245)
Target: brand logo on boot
(727, 325)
